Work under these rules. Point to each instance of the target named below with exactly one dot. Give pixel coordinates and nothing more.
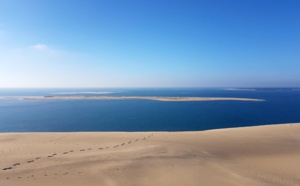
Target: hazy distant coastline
(156, 98)
(267, 89)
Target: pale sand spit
(264, 155)
(155, 98)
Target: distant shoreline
(155, 98)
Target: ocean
(281, 106)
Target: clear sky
(149, 43)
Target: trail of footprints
(45, 175)
(264, 176)
(64, 153)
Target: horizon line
(242, 87)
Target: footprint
(71, 151)
(89, 148)
(82, 150)
(123, 144)
(136, 140)
(38, 158)
(129, 142)
(65, 153)
(100, 148)
(7, 168)
(16, 164)
(30, 161)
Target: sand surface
(267, 155)
(155, 98)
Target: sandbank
(156, 98)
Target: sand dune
(267, 155)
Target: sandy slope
(268, 155)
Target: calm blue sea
(281, 106)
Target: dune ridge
(262, 155)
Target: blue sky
(142, 43)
